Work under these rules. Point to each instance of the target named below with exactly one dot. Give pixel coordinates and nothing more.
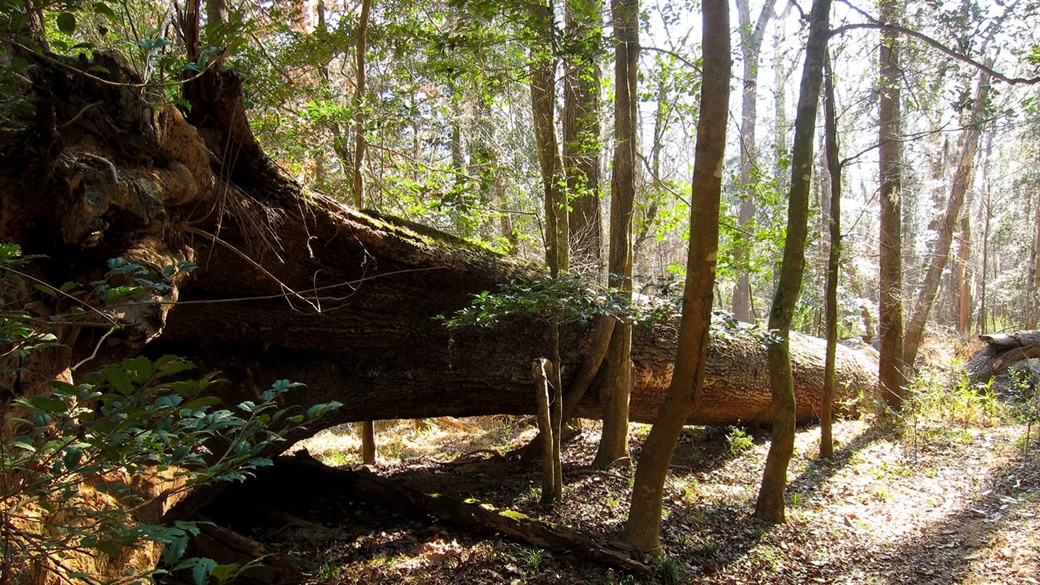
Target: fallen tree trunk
(1001, 351)
(295, 286)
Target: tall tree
(360, 145)
(770, 506)
(644, 519)
(968, 150)
(751, 37)
(833, 258)
(613, 445)
(581, 133)
(543, 104)
(890, 299)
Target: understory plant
(88, 468)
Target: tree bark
(543, 104)
(833, 258)
(581, 136)
(613, 445)
(643, 527)
(770, 505)
(360, 145)
(890, 260)
(750, 51)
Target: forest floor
(950, 495)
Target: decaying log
(1001, 351)
(481, 517)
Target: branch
(677, 56)
(941, 48)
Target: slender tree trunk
(770, 506)
(643, 527)
(581, 136)
(539, 370)
(833, 259)
(358, 189)
(890, 295)
(613, 445)
(962, 277)
(543, 102)
(750, 50)
(368, 432)
(969, 146)
(1033, 314)
(368, 442)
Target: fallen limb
(1001, 351)
(467, 513)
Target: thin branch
(96, 349)
(287, 290)
(675, 55)
(940, 47)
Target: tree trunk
(770, 505)
(360, 144)
(581, 136)
(962, 277)
(750, 51)
(969, 146)
(1033, 314)
(543, 104)
(833, 258)
(890, 260)
(644, 520)
(625, 14)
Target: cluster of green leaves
(69, 457)
(568, 298)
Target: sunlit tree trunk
(1033, 313)
(890, 294)
(833, 259)
(543, 103)
(752, 35)
(613, 445)
(360, 145)
(770, 505)
(644, 519)
(962, 277)
(581, 136)
(969, 146)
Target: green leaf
(104, 9)
(223, 573)
(204, 402)
(48, 403)
(109, 548)
(72, 458)
(67, 23)
(202, 569)
(140, 368)
(119, 380)
(169, 365)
